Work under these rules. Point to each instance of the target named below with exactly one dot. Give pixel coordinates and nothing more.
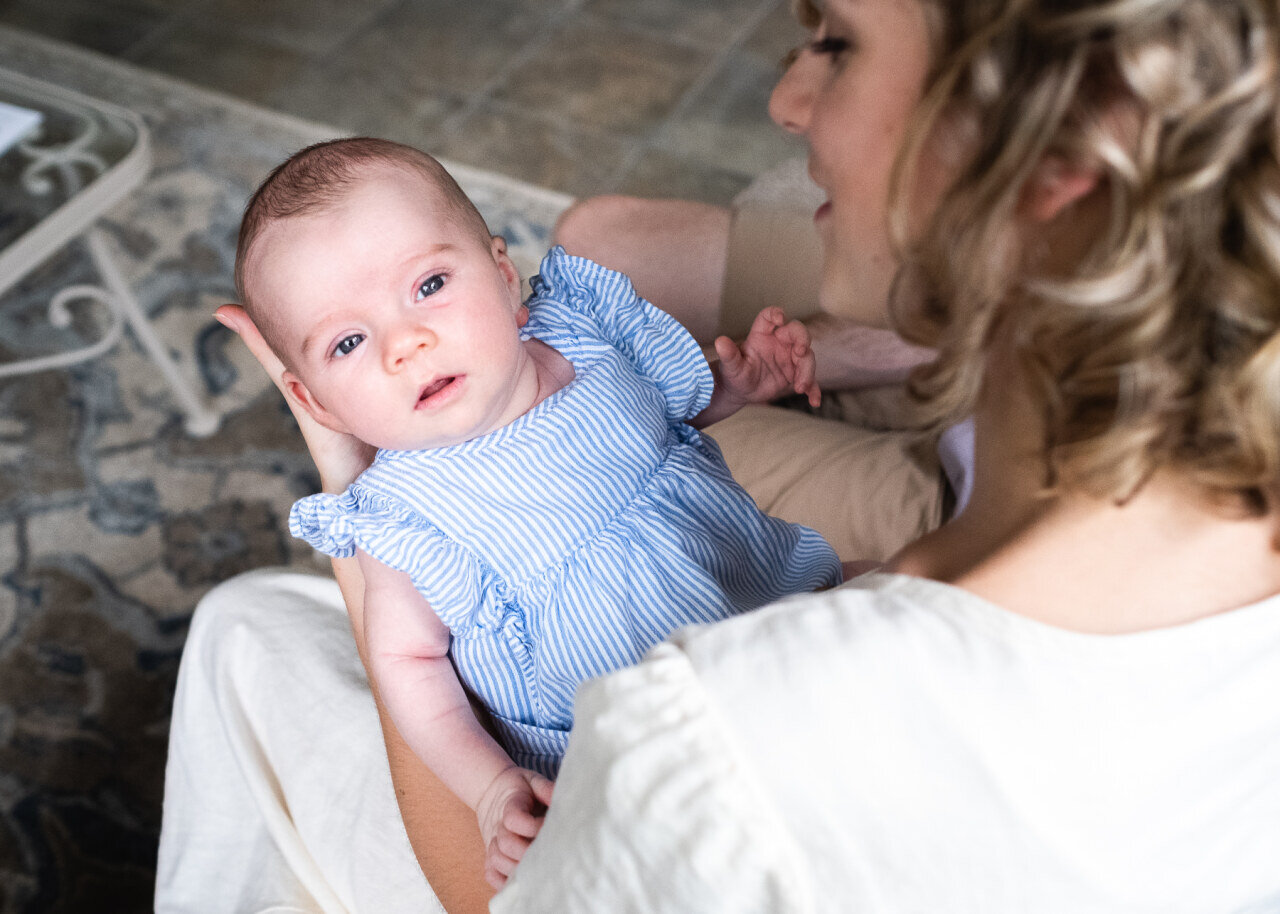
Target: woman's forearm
(441, 829)
(851, 355)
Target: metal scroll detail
(87, 155)
(68, 160)
(60, 316)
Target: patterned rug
(113, 522)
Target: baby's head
(375, 280)
(314, 182)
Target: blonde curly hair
(1162, 349)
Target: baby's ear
(299, 393)
(506, 266)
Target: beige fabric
(774, 255)
(869, 492)
(773, 259)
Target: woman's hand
(339, 458)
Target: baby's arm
(408, 654)
(774, 360)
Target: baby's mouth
(436, 390)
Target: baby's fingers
(521, 820)
(542, 789)
(511, 846)
(523, 814)
(768, 320)
(806, 382)
(497, 868)
(504, 852)
(795, 335)
(731, 357)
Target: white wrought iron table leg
(201, 420)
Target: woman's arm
(850, 355)
(441, 829)
(656, 812)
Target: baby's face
(400, 327)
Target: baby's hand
(511, 812)
(774, 360)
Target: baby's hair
(320, 177)
(1162, 349)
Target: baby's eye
(430, 286)
(347, 344)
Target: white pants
(279, 806)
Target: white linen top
(901, 745)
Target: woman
(1064, 698)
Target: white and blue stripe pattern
(568, 543)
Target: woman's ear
(1055, 185)
(299, 392)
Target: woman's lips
(439, 391)
(823, 211)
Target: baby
(541, 509)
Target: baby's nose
(407, 344)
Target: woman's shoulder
(689, 728)
(650, 786)
(829, 639)
(869, 629)
(874, 612)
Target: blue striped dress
(566, 544)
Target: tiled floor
(657, 97)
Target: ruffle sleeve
(655, 811)
(659, 347)
(463, 592)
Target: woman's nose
(792, 97)
(406, 344)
